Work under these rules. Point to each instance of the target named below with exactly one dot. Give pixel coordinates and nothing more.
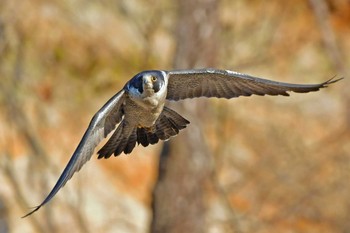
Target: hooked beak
(147, 82)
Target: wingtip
(332, 80)
(33, 211)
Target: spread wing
(184, 84)
(103, 122)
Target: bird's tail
(124, 138)
(167, 125)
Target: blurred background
(257, 164)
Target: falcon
(137, 114)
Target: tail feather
(168, 124)
(165, 129)
(175, 118)
(174, 126)
(131, 142)
(108, 149)
(125, 137)
(152, 138)
(142, 136)
(161, 126)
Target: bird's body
(138, 114)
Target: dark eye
(154, 79)
(136, 82)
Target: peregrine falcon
(138, 116)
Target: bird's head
(147, 83)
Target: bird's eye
(153, 78)
(136, 83)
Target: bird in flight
(138, 114)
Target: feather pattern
(139, 110)
(100, 125)
(124, 137)
(183, 84)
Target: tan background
(281, 164)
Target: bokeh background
(257, 164)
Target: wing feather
(183, 84)
(103, 122)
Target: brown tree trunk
(181, 192)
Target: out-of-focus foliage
(282, 164)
